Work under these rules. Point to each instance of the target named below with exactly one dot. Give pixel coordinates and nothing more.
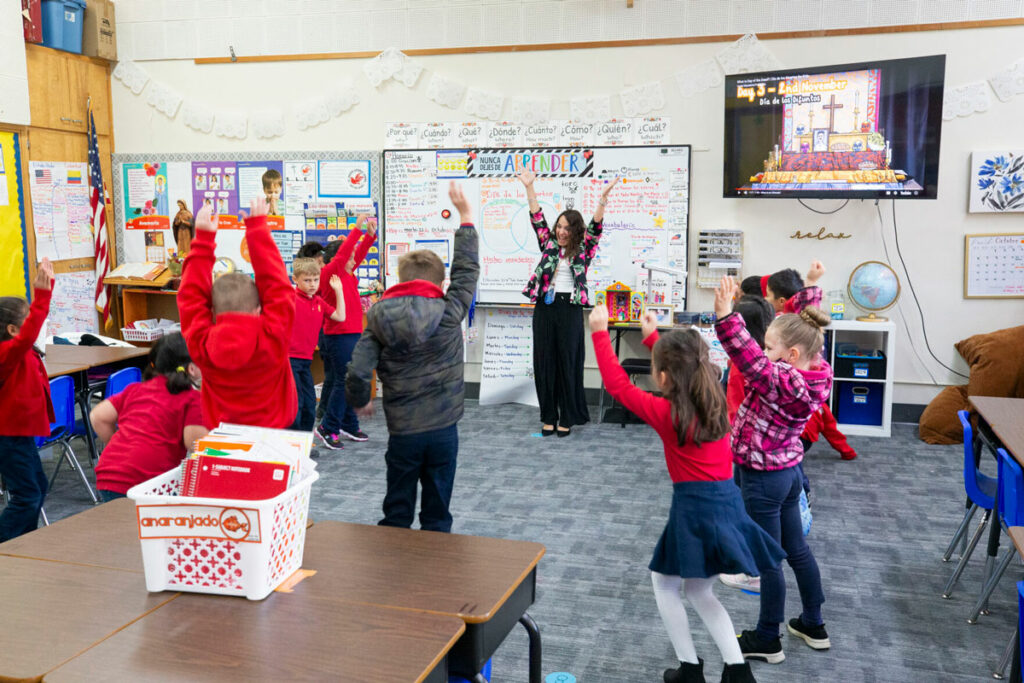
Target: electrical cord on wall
(899, 305)
(825, 213)
(920, 312)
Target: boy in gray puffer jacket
(413, 338)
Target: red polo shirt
(310, 314)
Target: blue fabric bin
(860, 403)
(62, 24)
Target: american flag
(99, 224)
(43, 175)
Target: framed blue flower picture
(997, 182)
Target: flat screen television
(863, 131)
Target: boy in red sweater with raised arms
(238, 331)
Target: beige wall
(931, 232)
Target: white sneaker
(741, 581)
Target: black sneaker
(754, 647)
(815, 636)
(686, 673)
(357, 435)
(332, 441)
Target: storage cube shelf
(862, 388)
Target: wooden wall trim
(778, 35)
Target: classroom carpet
(598, 500)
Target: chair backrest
(62, 395)
(117, 381)
(1011, 489)
(971, 484)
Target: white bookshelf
(874, 335)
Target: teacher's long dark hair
(577, 227)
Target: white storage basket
(131, 334)
(213, 545)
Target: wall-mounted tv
(862, 131)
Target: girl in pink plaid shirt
(786, 383)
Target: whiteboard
(646, 218)
(994, 266)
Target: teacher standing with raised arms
(558, 287)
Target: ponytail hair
(693, 387)
(13, 311)
(169, 357)
(802, 330)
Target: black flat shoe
(545, 431)
(564, 432)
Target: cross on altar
(831, 107)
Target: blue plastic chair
(115, 383)
(485, 672)
(62, 395)
(1009, 500)
(981, 490)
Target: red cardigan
(244, 356)
(353, 322)
(25, 408)
(708, 462)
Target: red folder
(224, 477)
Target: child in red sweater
(25, 408)
(150, 426)
(237, 331)
(339, 338)
(311, 312)
(708, 530)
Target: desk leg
(535, 655)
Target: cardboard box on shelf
(99, 37)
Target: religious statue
(184, 228)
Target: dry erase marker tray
(215, 545)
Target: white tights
(709, 609)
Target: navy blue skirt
(709, 532)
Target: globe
(873, 287)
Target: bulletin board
(147, 188)
(13, 249)
(646, 218)
(994, 266)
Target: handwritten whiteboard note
(60, 210)
(73, 305)
(507, 373)
(994, 266)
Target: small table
(285, 637)
(52, 611)
(486, 582)
(105, 536)
(55, 369)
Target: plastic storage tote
(860, 403)
(212, 545)
(62, 24)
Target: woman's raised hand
(608, 189)
(599, 318)
(526, 177)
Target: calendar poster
(994, 266)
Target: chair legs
(67, 453)
(1004, 661)
(990, 585)
(961, 532)
(947, 592)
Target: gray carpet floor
(598, 500)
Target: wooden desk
(1005, 418)
(487, 582)
(55, 369)
(105, 536)
(286, 637)
(52, 611)
(92, 356)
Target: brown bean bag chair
(996, 360)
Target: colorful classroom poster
(13, 255)
(216, 183)
(73, 306)
(341, 179)
(250, 181)
(146, 203)
(299, 185)
(60, 210)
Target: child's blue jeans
(772, 500)
(337, 352)
(429, 459)
(306, 415)
(23, 475)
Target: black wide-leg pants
(558, 354)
